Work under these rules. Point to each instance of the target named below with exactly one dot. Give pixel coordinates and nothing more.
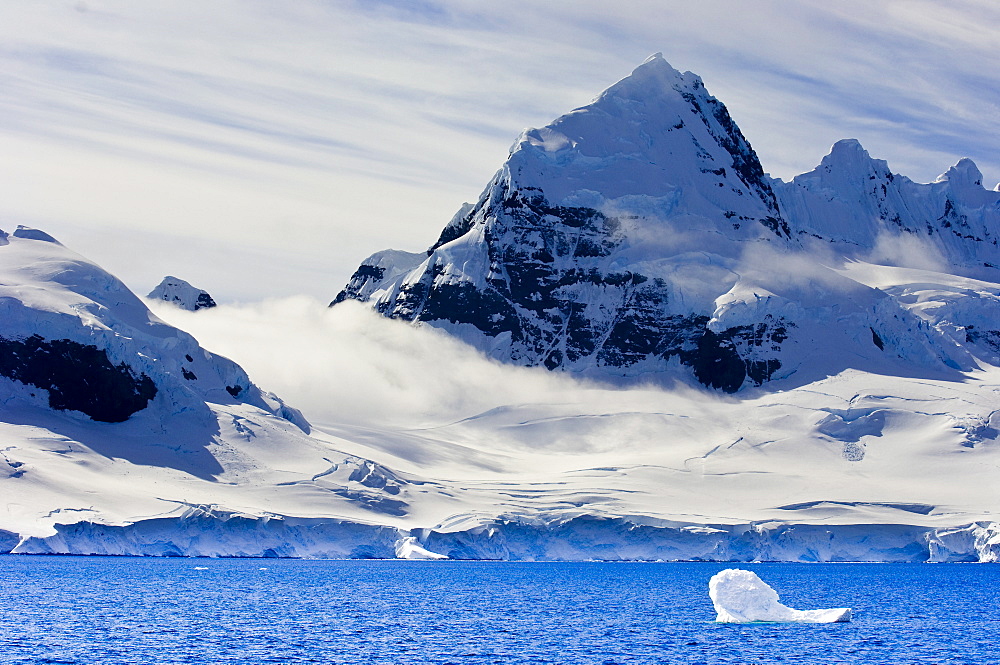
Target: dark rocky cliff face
(745, 164)
(549, 290)
(204, 301)
(78, 377)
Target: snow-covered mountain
(181, 293)
(527, 465)
(853, 314)
(640, 233)
(853, 202)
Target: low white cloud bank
(907, 251)
(349, 365)
(807, 275)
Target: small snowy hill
(110, 416)
(75, 339)
(182, 294)
(638, 236)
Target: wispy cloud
(316, 132)
(349, 365)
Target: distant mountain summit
(640, 236)
(853, 201)
(178, 292)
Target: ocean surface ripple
(97, 610)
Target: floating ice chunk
(740, 596)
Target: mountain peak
(963, 174)
(656, 132)
(28, 233)
(655, 63)
(655, 77)
(848, 165)
(847, 153)
(848, 146)
(613, 239)
(182, 294)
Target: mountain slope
(76, 338)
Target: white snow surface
(422, 446)
(877, 440)
(740, 596)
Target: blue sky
(261, 149)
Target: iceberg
(740, 596)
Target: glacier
(636, 345)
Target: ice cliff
(204, 531)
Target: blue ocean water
(85, 610)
